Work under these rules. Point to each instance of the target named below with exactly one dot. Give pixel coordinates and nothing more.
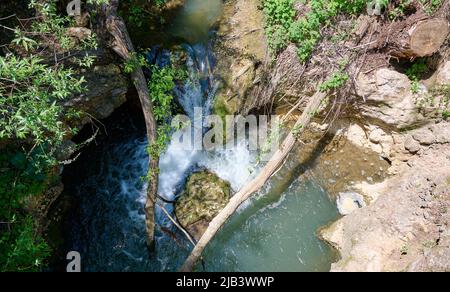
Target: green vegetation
(32, 90)
(400, 10)
(443, 92)
(135, 12)
(280, 16)
(402, 7)
(430, 6)
(283, 27)
(336, 80)
(436, 101)
(446, 114)
(134, 61)
(415, 72)
(21, 249)
(161, 85)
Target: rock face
(407, 226)
(240, 49)
(106, 91)
(204, 197)
(388, 98)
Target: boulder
(424, 137)
(106, 91)
(204, 197)
(388, 98)
(347, 203)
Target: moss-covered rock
(204, 197)
(240, 49)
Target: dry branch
(256, 184)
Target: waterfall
(177, 163)
(108, 225)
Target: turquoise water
(276, 233)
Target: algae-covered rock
(204, 197)
(240, 49)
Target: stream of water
(274, 232)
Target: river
(275, 231)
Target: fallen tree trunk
(420, 39)
(123, 46)
(257, 183)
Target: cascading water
(114, 196)
(108, 227)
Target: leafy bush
(279, 18)
(161, 86)
(32, 90)
(136, 11)
(21, 248)
(337, 80)
(281, 26)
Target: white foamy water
(232, 164)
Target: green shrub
(161, 86)
(336, 80)
(279, 18)
(21, 248)
(282, 27)
(415, 72)
(32, 117)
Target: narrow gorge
(132, 133)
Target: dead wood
(123, 46)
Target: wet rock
(65, 150)
(204, 197)
(347, 203)
(378, 140)
(240, 47)
(412, 145)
